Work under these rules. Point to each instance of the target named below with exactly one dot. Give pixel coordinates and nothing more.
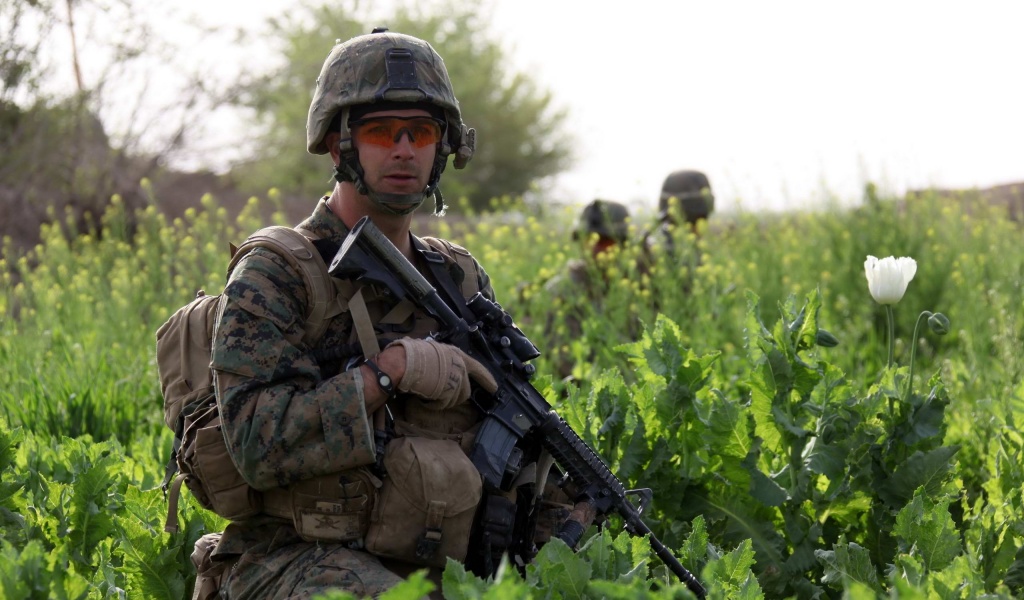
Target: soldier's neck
(350, 206)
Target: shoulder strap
(296, 248)
(449, 292)
(462, 257)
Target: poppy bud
(939, 324)
(825, 339)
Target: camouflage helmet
(605, 218)
(391, 70)
(693, 191)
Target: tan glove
(440, 372)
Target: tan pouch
(211, 475)
(331, 508)
(427, 503)
(210, 574)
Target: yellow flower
(889, 277)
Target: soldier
(301, 428)
(685, 193)
(603, 224)
(692, 192)
(581, 288)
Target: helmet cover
(692, 189)
(605, 218)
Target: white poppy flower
(888, 277)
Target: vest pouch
(212, 476)
(427, 503)
(331, 508)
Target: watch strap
(386, 383)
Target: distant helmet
(386, 71)
(693, 191)
(605, 218)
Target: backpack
(183, 349)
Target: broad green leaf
(957, 580)
(803, 535)
(151, 568)
(695, 549)
(731, 577)
(10, 439)
(23, 572)
(928, 527)
(414, 587)
(636, 454)
(762, 487)
(634, 589)
(762, 395)
(926, 420)
(729, 429)
(754, 329)
(459, 584)
(1015, 574)
(860, 591)
(847, 561)
(93, 502)
(908, 568)
(613, 558)
(923, 469)
(559, 569)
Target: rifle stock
(518, 420)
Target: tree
(520, 135)
(71, 143)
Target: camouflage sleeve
(281, 420)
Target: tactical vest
(423, 511)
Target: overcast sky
(779, 103)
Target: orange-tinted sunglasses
(387, 131)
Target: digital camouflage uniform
(287, 418)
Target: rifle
(518, 422)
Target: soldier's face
(404, 166)
(601, 244)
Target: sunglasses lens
(387, 131)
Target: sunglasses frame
(442, 126)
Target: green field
(781, 467)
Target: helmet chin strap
(386, 202)
(389, 202)
(353, 173)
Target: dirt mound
(1009, 195)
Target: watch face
(384, 381)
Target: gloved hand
(440, 372)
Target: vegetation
(782, 465)
(81, 118)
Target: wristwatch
(383, 379)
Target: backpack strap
(298, 250)
(471, 284)
(454, 295)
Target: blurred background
(785, 106)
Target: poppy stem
(892, 335)
(913, 351)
